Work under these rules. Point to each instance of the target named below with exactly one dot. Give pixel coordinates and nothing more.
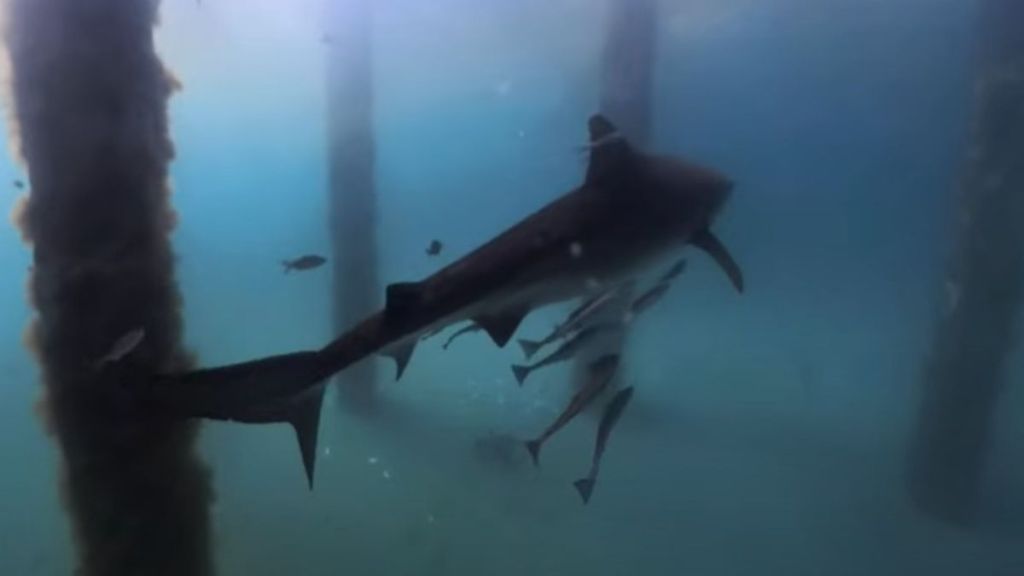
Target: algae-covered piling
(964, 373)
(90, 107)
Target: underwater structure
(626, 96)
(627, 82)
(964, 373)
(90, 112)
(352, 218)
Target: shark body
(631, 210)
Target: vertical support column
(352, 204)
(627, 88)
(964, 373)
(90, 108)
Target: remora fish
(585, 485)
(573, 323)
(307, 262)
(565, 351)
(649, 298)
(632, 208)
(467, 330)
(656, 292)
(600, 374)
(673, 272)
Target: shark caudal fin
(533, 447)
(709, 243)
(304, 416)
(502, 325)
(291, 382)
(401, 353)
(287, 266)
(585, 487)
(521, 372)
(530, 347)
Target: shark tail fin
(287, 266)
(521, 372)
(305, 419)
(533, 447)
(585, 487)
(530, 347)
(299, 371)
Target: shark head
(672, 194)
(687, 194)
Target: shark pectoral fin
(400, 353)
(402, 296)
(501, 326)
(304, 416)
(707, 242)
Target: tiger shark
(631, 210)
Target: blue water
(768, 430)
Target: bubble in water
(372, 460)
(576, 249)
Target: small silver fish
(122, 347)
(307, 262)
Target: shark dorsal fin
(610, 154)
(402, 297)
